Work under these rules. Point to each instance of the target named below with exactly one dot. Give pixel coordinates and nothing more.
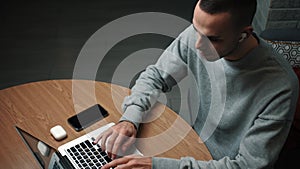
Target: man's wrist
(136, 128)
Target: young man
(261, 92)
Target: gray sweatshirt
(244, 108)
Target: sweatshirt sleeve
(255, 155)
(258, 150)
(161, 77)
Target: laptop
(76, 154)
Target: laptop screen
(43, 153)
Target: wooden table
(36, 107)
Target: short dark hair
(242, 11)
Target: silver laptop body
(76, 154)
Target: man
(261, 92)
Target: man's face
(214, 31)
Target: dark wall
(41, 40)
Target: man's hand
(118, 138)
(130, 162)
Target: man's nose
(199, 42)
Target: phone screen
(87, 117)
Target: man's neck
(244, 48)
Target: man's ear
(243, 37)
(246, 32)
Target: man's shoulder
(284, 71)
(189, 34)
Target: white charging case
(58, 132)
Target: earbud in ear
(243, 37)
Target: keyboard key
(107, 159)
(101, 159)
(73, 149)
(88, 144)
(84, 165)
(83, 145)
(103, 153)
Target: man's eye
(214, 39)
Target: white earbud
(243, 37)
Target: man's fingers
(110, 143)
(117, 144)
(104, 138)
(114, 142)
(130, 162)
(98, 138)
(106, 133)
(115, 163)
(117, 139)
(129, 142)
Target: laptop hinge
(65, 162)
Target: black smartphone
(87, 117)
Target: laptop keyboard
(88, 156)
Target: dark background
(41, 40)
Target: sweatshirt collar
(252, 59)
